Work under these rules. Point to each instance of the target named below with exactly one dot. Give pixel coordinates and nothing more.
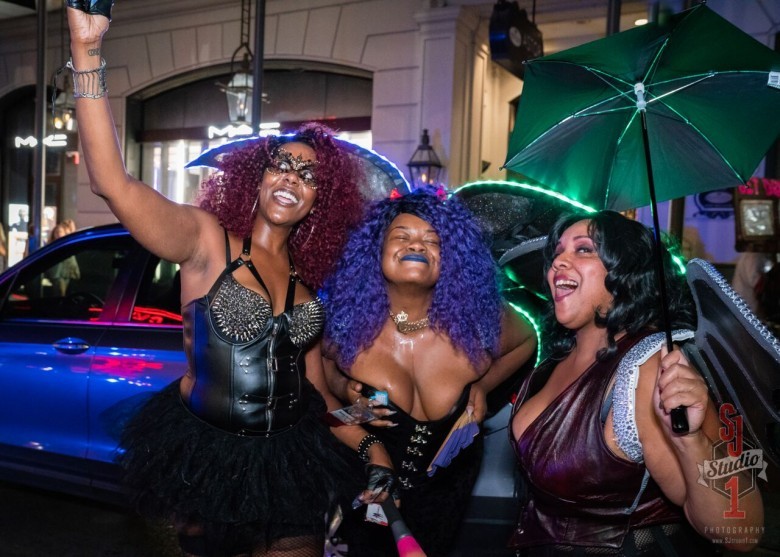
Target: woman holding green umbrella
(657, 112)
(606, 473)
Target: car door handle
(71, 345)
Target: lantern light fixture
(64, 108)
(239, 88)
(62, 102)
(424, 166)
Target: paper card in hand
(350, 415)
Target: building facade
(413, 66)
(381, 70)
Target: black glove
(382, 479)
(93, 7)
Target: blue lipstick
(415, 257)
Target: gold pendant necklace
(405, 326)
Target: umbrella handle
(679, 420)
(679, 416)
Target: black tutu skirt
(177, 466)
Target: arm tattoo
(94, 52)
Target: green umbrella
(654, 113)
(712, 112)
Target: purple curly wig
(316, 241)
(466, 302)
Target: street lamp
(239, 94)
(64, 108)
(424, 166)
(239, 88)
(63, 103)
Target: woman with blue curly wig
(413, 315)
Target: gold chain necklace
(405, 326)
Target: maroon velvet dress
(581, 497)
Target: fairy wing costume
(737, 354)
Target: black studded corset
(248, 365)
(412, 444)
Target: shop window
(170, 124)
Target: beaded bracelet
(365, 443)
(89, 84)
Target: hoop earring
(308, 237)
(254, 207)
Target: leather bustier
(580, 492)
(413, 444)
(248, 365)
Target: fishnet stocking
(301, 546)
(194, 542)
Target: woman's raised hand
(94, 7)
(88, 20)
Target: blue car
(90, 326)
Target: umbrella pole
(679, 416)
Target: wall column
(447, 45)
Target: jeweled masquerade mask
(380, 175)
(285, 163)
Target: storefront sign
(54, 140)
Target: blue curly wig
(466, 303)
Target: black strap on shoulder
(240, 260)
(227, 248)
(258, 278)
(290, 300)
(245, 259)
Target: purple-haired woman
(413, 310)
(236, 453)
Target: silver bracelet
(89, 84)
(365, 443)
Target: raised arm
(168, 229)
(673, 460)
